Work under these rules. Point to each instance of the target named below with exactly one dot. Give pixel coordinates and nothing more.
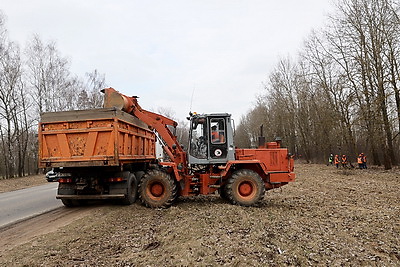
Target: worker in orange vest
(214, 134)
(336, 161)
(360, 161)
(217, 137)
(344, 161)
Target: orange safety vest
(360, 159)
(215, 137)
(336, 159)
(344, 159)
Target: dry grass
(328, 217)
(7, 185)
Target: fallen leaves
(327, 217)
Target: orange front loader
(110, 154)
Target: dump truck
(109, 153)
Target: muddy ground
(328, 217)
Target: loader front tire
(222, 192)
(245, 187)
(157, 189)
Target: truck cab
(210, 139)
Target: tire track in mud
(25, 231)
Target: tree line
(34, 79)
(341, 94)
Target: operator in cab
(216, 136)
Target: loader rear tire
(157, 189)
(245, 187)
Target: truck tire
(132, 189)
(69, 189)
(139, 175)
(157, 189)
(245, 187)
(70, 203)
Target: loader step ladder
(216, 177)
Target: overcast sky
(163, 50)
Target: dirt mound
(328, 217)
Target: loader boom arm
(160, 123)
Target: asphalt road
(26, 203)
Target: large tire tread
(247, 177)
(222, 192)
(163, 179)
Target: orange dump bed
(96, 137)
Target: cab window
(217, 127)
(198, 141)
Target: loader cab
(211, 139)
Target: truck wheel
(245, 188)
(157, 189)
(139, 175)
(131, 195)
(71, 203)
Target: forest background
(340, 95)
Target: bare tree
(363, 28)
(248, 130)
(342, 94)
(95, 82)
(242, 136)
(37, 81)
(10, 110)
(52, 86)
